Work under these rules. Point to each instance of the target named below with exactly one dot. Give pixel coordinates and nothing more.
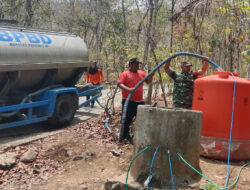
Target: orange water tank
(213, 95)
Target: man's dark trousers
(88, 96)
(131, 113)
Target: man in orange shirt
(127, 81)
(94, 76)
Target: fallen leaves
(47, 162)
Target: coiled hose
(124, 111)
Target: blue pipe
(124, 113)
(106, 124)
(171, 171)
(150, 169)
(231, 131)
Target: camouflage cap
(185, 63)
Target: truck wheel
(64, 112)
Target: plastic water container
(213, 95)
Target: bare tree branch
(188, 7)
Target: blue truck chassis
(57, 105)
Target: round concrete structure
(176, 130)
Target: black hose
(124, 113)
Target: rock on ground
(7, 160)
(119, 183)
(29, 156)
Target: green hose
(132, 163)
(210, 181)
(198, 171)
(238, 176)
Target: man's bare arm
(167, 68)
(124, 87)
(150, 78)
(204, 68)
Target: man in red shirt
(127, 81)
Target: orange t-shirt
(130, 79)
(95, 78)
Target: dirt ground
(82, 158)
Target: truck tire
(64, 112)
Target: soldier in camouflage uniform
(184, 83)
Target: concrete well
(176, 130)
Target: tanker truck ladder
(33, 29)
(56, 104)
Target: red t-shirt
(130, 79)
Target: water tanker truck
(38, 73)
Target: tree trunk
(172, 26)
(231, 52)
(238, 58)
(248, 72)
(97, 30)
(124, 23)
(106, 65)
(161, 81)
(140, 25)
(149, 43)
(72, 15)
(29, 13)
(199, 36)
(12, 9)
(124, 38)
